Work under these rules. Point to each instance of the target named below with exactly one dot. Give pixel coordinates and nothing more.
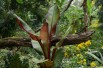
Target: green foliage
(20, 1)
(58, 58)
(73, 19)
(95, 57)
(13, 61)
(60, 2)
(25, 56)
(46, 34)
(7, 28)
(99, 6)
(7, 24)
(31, 11)
(3, 53)
(89, 6)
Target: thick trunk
(25, 42)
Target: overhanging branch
(15, 41)
(74, 38)
(26, 42)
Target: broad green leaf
(20, 1)
(53, 17)
(58, 57)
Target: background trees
(31, 11)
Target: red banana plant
(46, 33)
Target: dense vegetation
(66, 33)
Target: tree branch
(74, 38)
(13, 41)
(26, 42)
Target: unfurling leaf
(53, 18)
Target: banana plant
(47, 32)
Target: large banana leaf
(44, 35)
(53, 18)
(23, 25)
(58, 57)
